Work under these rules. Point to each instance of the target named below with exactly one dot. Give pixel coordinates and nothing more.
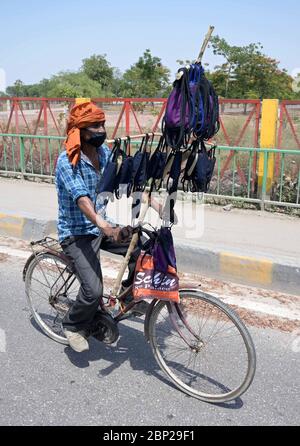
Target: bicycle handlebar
(140, 229)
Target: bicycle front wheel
(203, 347)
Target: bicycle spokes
(203, 347)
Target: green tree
(116, 86)
(40, 89)
(262, 77)
(19, 89)
(146, 78)
(296, 86)
(248, 73)
(235, 57)
(70, 85)
(99, 70)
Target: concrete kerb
(221, 265)
(259, 272)
(25, 228)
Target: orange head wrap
(81, 116)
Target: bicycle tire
(52, 314)
(197, 301)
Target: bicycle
(200, 344)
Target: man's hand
(114, 233)
(119, 234)
(126, 234)
(107, 229)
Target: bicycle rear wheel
(203, 347)
(51, 288)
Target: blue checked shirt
(73, 183)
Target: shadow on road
(131, 346)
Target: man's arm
(74, 184)
(87, 208)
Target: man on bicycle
(82, 229)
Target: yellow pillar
(268, 139)
(82, 100)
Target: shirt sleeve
(72, 180)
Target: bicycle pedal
(104, 328)
(61, 307)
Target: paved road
(246, 232)
(45, 383)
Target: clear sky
(40, 38)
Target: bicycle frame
(51, 245)
(130, 250)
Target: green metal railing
(35, 156)
(29, 155)
(284, 189)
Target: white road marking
(267, 306)
(14, 252)
(2, 341)
(255, 304)
(296, 342)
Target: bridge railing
(28, 156)
(239, 118)
(47, 116)
(281, 189)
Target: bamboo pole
(205, 43)
(202, 51)
(135, 237)
(130, 250)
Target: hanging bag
(196, 73)
(204, 169)
(156, 165)
(124, 182)
(210, 125)
(178, 118)
(107, 183)
(156, 273)
(139, 176)
(187, 178)
(192, 108)
(140, 162)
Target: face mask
(97, 139)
